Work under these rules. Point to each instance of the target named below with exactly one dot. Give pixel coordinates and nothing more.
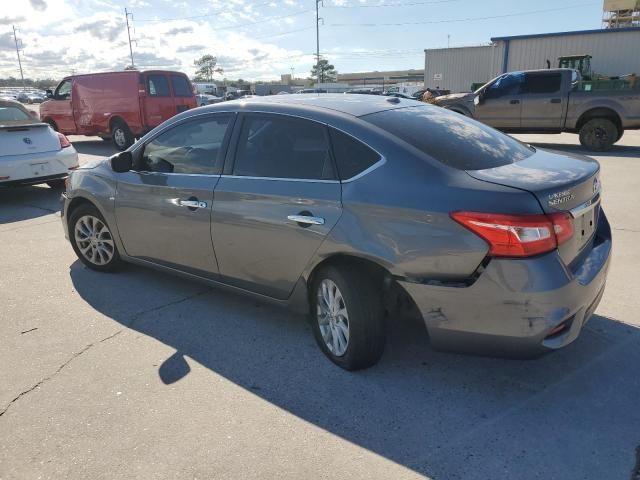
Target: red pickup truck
(122, 106)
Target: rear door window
(278, 146)
(451, 138)
(158, 86)
(352, 156)
(181, 86)
(542, 83)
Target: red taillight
(64, 141)
(562, 226)
(518, 235)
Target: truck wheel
(121, 135)
(599, 134)
(52, 124)
(347, 316)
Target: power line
(211, 14)
(470, 19)
(381, 5)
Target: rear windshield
(10, 114)
(451, 138)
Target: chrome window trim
(138, 145)
(151, 172)
(280, 179)
(366, 171)
(373, 167)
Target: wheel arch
(600, 112)
(116, 118)
(396, 299)
(52, 123)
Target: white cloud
(90, 35)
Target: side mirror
(122, 162)
(34, 114)
(49, 93)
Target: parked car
(22, 97)
(35, 98)
(342, 207)
(363, 91)
(435, 92)
(32, 152)
(203, 99)
(122, 106)
(551, 101)
(312, 90)
(237, 94)
(398, 95)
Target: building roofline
(564, 34)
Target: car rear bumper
(37, 168)
(515, 305)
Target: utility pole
(126, 15)
(318, 42)
(448, 39)
(15, 37)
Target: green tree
(323, 71)
(206, 68)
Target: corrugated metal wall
(615, 53)
(460, 67)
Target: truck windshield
(451, 138)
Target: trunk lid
(27, 138)
(561, 182)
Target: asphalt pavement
(140, 374)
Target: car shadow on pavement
(616, 150)
(570, 414)
(26, 203)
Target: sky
(260, 40)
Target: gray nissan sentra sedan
(354, 208)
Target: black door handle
(514, 102)
(556, 100)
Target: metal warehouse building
(615, 51)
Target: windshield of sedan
(12, 114)
(451, 138)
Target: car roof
(350, 104)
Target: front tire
(121, 135)
(347, 315)
(92, 240)
(599, 134)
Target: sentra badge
(560, 198)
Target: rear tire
(121, 135)
(92, 239)
(599, 134)
(52, 124)
(357, 311)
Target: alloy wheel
(94, 240)
(119, 137)
(333, 317)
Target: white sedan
(31, 152)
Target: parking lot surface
(144, 375)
